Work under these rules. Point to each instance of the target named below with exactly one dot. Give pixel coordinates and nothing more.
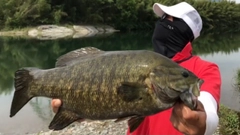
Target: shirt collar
(184, 54)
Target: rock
(46, 32)
(110, 30)
(101, 30)
(33, 33)
(108, 127)
(89, 31)
(78, 31)
(53, 32)
(13, 33)
(91, 128)
(81, 31)
(104, 132)
(92, 30)
(79, 35)
(44, 27)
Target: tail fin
(21, 94)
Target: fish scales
(99, 85)
(94, 87)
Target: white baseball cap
(184, 11)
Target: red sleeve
(210, 73)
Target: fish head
(172, 83)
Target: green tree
(126, 15)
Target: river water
(15, 53)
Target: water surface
(224, 50)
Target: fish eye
(185, 74)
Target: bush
(238, 77)
(229, 121)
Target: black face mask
(170, 37)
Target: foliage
(121, 14)
(229, 121)
(213, 42)
(222, 16)
(237, 84)
(238, 77)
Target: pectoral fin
(130, 91)
(63, 118)
(135, 122)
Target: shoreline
(90, 128)
(95, 127)
(51, 32)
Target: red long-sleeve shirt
(159, 124)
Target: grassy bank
(230, 119)
(125, 15)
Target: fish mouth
(196, 91)
(189, 100)
(169, 94)
(200, 82)
(189, 97)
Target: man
(179, 25)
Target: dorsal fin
(81, 53)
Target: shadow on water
(19, 52)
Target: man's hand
(55, 103)
(188, 121)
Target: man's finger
(200, 106)
(177, 109)
(56, 103)
(183, 112)
(180, 127)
